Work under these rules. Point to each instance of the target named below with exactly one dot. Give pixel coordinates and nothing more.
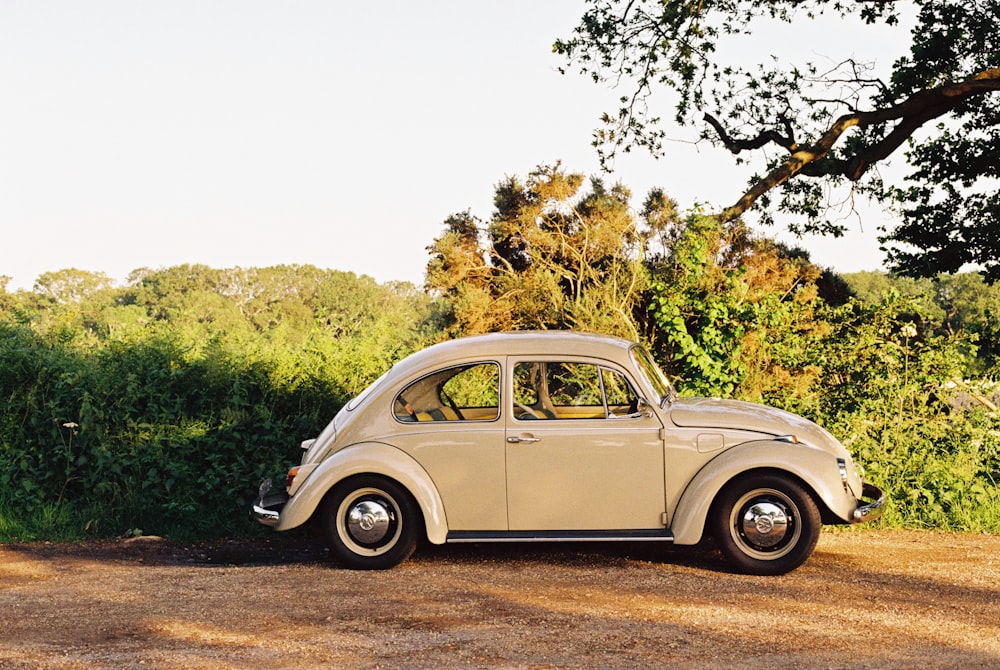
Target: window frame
(602, 366)
(398, 399)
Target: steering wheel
(528, 410)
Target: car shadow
(702, 557)
(297, 547)
(306, 547)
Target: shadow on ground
(304, 547)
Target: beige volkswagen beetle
(563, 436)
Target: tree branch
(736, 146)
(911, 114)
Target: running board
(660, 535)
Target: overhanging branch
(739, 145)
(911, 114)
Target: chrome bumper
(869, 511)
(267, 508)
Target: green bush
(165, 423)
(159, 407)
(148, 434)
(737, 317)
(888, 391)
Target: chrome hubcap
(765, 524)
(369, 521)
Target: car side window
(621, 399)
(554, 390)
(462, 393)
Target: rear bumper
(871, 504)
(267, 508)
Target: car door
(580, 457)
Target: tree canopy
(554, 255)
(821, 126)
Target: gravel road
(866, 599)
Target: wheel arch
(815, 470)
(779, 472)
(369, 458)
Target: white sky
(254, 133)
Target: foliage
(948, 305)
(951, 209)
(157, 407)
(820, 126)
(889, 390)
(553, 256)
(872, 357)
(184, 390)
(734, 314)
(71, 286)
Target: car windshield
(653, 375)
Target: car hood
(739, 415)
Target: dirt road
(866, 599)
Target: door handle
(514, 439)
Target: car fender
(368, 458)
(817, 468)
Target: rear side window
(462, 393)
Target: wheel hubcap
(765, 524)
(370, 521)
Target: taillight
(290, 477)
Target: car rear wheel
(370, 523)
(765, 524)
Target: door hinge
(664, 519)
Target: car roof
(518, 343)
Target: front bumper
(868, 511)
(267, 508)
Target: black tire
(370, 523)
(765, 524)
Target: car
(563, 437)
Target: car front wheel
(370, 523)
(765, 524)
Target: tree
(822, 127)
(554, 255)
(949, 305)
(71, 285)
(736, 315)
